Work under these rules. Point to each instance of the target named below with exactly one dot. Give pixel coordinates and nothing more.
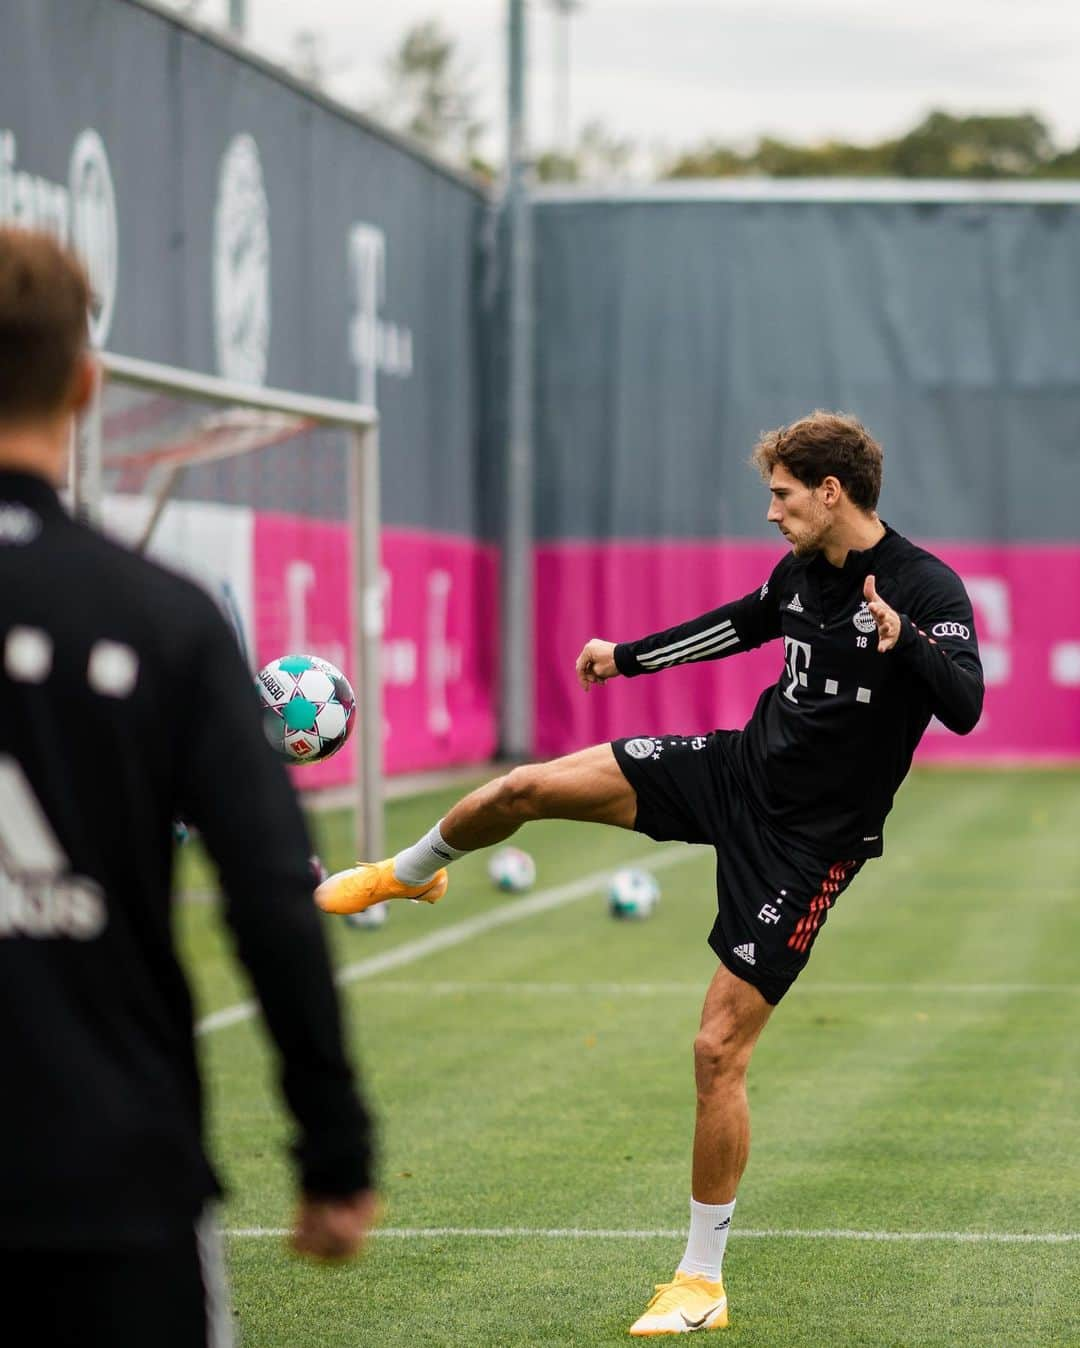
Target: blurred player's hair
(44, 304)
(821, 445)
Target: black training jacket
(126, 703)
(829, 743)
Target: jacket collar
(31, 490)
(859, 564)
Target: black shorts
(772, 898)
(164, 1295)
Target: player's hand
(887, 619)
(596, 663)
(334, 1228)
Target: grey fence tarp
(240, 226)
(671, 331)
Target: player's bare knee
(519, 795)
(719, 1055)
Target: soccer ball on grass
(371, 918)
(308, 707)
(512, 870)
(633, 893)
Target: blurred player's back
(127, 702)
(93, 753)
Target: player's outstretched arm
(596, 663)
(739, 626)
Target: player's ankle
(417, 864)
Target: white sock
(419, 863)
(709, 1226)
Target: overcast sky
(680, 72)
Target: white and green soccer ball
(371, 918)
(633, 893)
(512, 870)
(308, 707)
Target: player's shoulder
(114, 573)
(788, 566)
(916, 570)
(778, 584)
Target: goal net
(270, 501)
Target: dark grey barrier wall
(672, 331)
(239, 226)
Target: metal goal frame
(361, 423)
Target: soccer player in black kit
(877, 638)
(126, 704)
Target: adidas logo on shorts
(745, 952)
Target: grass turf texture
(920, 1077)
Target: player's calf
(496, 810)
(588, 785)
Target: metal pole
(562, 80)
(238, 18)
(85, 471)
(171, 379)
(367, 641)
(561, 128)
(517, 607)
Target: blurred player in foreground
(878, 637)
(126, 703)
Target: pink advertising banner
(440, 643)
(1027, 612)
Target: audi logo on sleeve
(950, 630)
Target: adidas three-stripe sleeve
(739, 626)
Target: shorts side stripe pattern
(806, 928)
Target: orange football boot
(683, 1306)
(368, 883)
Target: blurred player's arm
(937, 643)
(239, 795)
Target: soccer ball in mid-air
(512, 870)
(633, 893)
(308, 708)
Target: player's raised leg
(733, 1016)
(588, 785)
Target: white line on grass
(681, 989)
(767, 1233)
(412, 951)
(941, 987)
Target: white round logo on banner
(93, 227)
(242, 264)
(641, 748)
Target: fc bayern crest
(864, 620)
(93, 227)
(641, 748)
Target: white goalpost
(156, 432)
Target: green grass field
(534, 1078)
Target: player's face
(797, 512)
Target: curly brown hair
(44, 304)
(821, 445)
